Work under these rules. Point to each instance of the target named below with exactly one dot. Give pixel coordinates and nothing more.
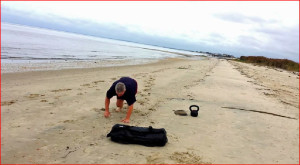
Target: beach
(248, 114)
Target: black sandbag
(146, 136)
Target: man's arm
(127, 119)
(107, 102)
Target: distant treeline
(278, 63)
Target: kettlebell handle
(194, 106)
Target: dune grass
(277, 63)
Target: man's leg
(119, 105)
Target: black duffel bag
(138, 135)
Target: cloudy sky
(239, 28)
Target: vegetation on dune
(278, 63)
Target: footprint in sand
(160, 70)
(85, 85)
(190, 97)
(57, 97)
(183, 67)
(8, 102)
(187, 157)
(144, 114)
(92, 86)
(31, 96)
(143, 94)
(140, 74)
(61, 90)
(152, 78)
(152, 109)
(173, 137)
(141, 102)
(69, 121)
(98, 109)
(99, 81)
(137, 111)
(156, 158)
(15, 126)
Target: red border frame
(132, 0)
(149, 0)
(1, 90)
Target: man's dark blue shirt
(131, 89)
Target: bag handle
(150, 128)
(194, 106)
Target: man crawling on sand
(125, 89)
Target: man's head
(120, 89)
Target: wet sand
(248, 114)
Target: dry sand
(248, 114)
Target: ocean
(24, 46)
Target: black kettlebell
(194, 112)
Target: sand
(248, 114)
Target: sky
(242, 28)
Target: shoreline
(68, 64)
(47, 114)
(78, 70)
(28, 66)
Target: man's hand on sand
(106, 114)
(125, 120)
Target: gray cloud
(240, 18)
(216, 37)
(106, 30)
(282, 39)
(249, 41)
(284, 42)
